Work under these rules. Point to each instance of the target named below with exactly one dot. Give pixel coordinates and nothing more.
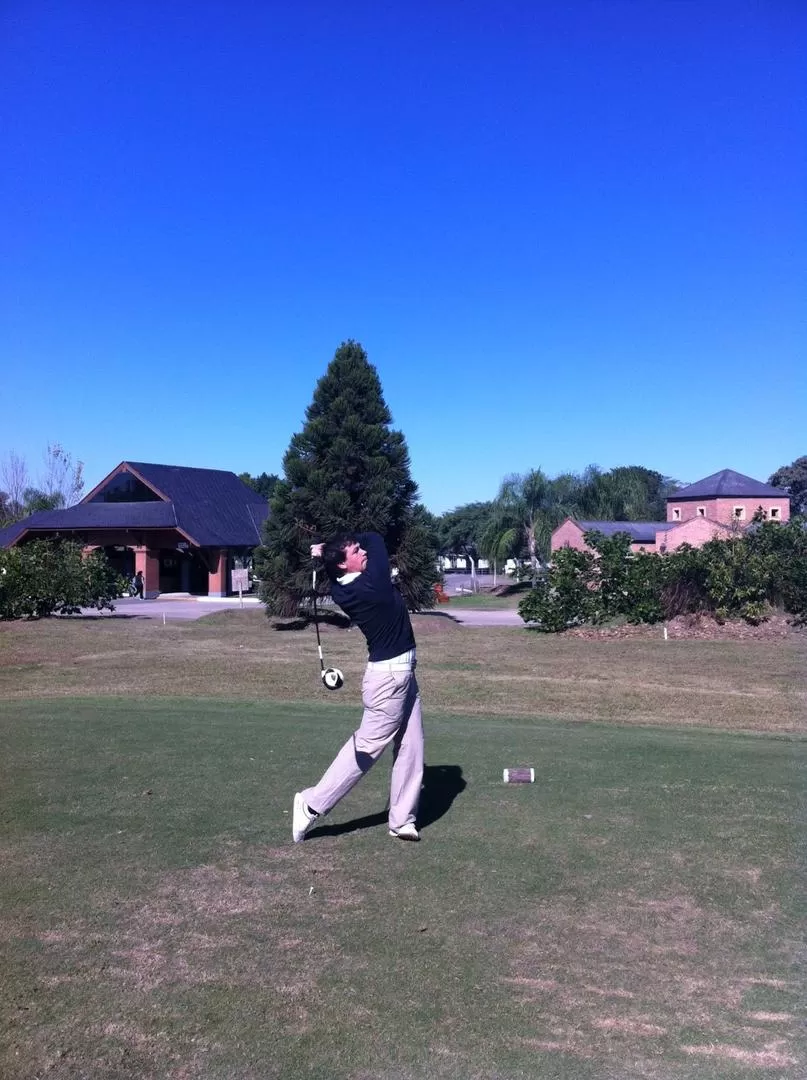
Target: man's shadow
(441, 785)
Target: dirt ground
(699, 627)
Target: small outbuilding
(184, 528)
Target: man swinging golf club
(359, 572)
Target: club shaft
(316, 624)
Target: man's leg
(385, 697)
(407, 766)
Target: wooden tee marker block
(519, 776)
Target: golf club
(332, 677)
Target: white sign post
(239, 582)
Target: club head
(332, 678)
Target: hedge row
(745, 577)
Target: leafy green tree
(783, 547)
(525, 512)
(35, 499)
(263, 484)
(626, 493)
(48, 576)
(793, 479)
(460, 531)
(347, 470)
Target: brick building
(185, 528)
(713, 507)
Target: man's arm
(378, 568)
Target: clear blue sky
(566, 232)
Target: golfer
(361, 584)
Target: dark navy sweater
(375, 604)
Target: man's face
(355, 559)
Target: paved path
(478, 617)
(197, 607)
(189, 607)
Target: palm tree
(525, 512)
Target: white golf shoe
(406, 832)
(301, 819)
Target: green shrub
(564, 596)
(742, 577)
(45, 577)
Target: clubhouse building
(185, 529)
(717, 506)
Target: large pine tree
(347, 470)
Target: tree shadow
(441, 785)
(87, 616)
(304, 619)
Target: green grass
(482, 601)
(634, 913)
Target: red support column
(218, 580)
(148, 561)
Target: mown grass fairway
(634, 913)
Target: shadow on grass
(84, 616)
(441, 785)
(305, 619)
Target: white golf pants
(392, 714)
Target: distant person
(138, 584)
(359, 572)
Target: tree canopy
(793, 479)
(460, 530)
(625, 493)
(526, 510)
(346, 471)
(263, 484)
(529, 506)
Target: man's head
(343, 555)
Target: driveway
(169, 607)
(481, 617)
(196, 607)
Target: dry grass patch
(748, 684)
(238, 925)
(649, 973)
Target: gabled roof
(213, 508)
(211, 505)
(728, 484)
(141, 515)
(10, 533)
(641, 532)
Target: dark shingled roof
(145, 515)
(641, 532)
(728, 484)
(212, 507)
(10, 533)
